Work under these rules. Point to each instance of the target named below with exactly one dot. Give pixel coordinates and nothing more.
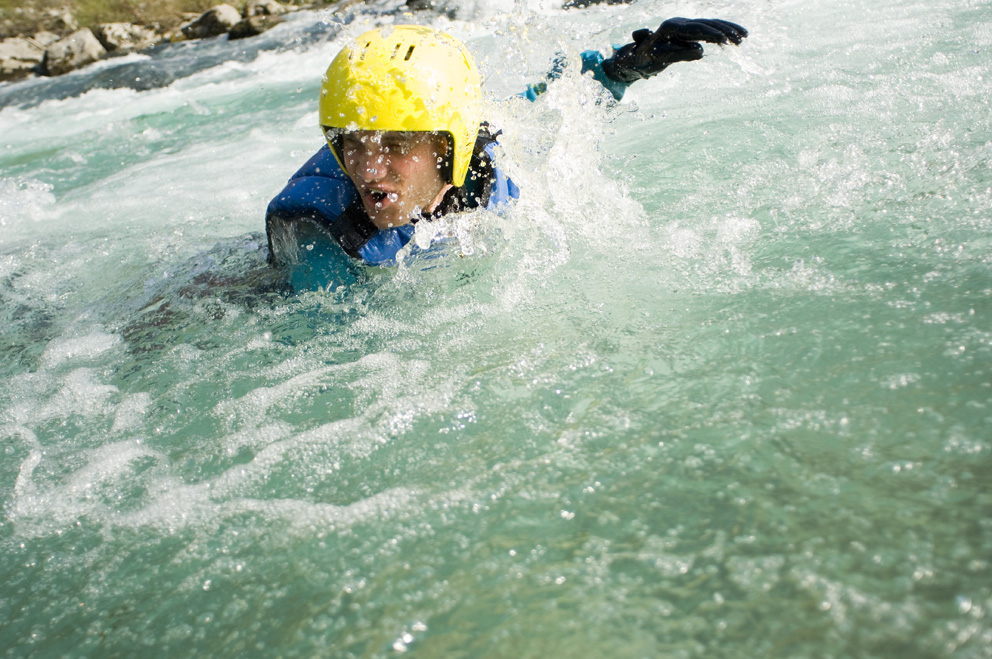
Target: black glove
(675, 41)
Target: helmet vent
(361, 57)
(409, 52)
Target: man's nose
(372, 165)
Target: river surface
(718, 385)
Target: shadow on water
(228, 281)
(153, 312)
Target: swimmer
(401, 113)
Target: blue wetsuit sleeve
(592, 62)
(533, 91)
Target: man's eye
(401, 147)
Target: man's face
(395, 173)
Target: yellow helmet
(405, 78)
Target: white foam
(24, 200)
(41, 508)
(80, 394)
(131, 412)
(78, 349)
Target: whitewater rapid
(717, 385)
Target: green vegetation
(20, 17)
(92, 12)
(30, 16)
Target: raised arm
(676, 40)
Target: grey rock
(44, 39)
(78, 49)
(125, 37)
(253, 25)
(264, 8)
(588, 3)
(214, 21)
(439, 6)
(19, 57)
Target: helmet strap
(447, 158)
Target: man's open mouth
(380, 198)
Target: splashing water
(718, 385)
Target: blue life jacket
(320, 206)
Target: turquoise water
(718, 386)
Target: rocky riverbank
(63, 45)
(52, 41)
